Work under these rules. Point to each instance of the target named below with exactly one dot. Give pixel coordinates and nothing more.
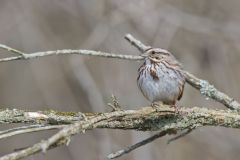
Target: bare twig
(189, 130)
(30, 150)
(137, 145)
(27, 129)
(12, 50)
(138, 44)
(115, 104)
(70, 51)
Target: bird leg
(156, 106)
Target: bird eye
(153, 52)
(157, 58)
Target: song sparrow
(160, 78)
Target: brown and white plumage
(160, 78)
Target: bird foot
(176, 107)
(156, 106)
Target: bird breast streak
(153, 73)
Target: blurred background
(203, 35)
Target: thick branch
(39, 117)
(145, 119)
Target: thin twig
(27, 129)
(138, 44)
(70, 51)
(137, 145)
(189, 130)
(30, 150)
(115, 104)
(12, 50)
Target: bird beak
(144, 55)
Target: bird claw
(177, 109)
(155, 106)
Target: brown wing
(178, 67)
(175, 65)
(181, 89)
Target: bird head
(155, 54)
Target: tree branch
(12, 50)
(68, 52)
(145, 119)
(137, 145)
(28, 129)
(39, 117)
